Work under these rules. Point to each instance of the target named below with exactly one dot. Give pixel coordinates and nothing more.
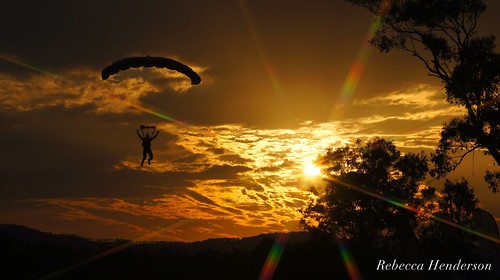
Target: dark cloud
(234, 159)
(223, 172)
(61, 152)
(274, 168)
(236, 43)
(96, 32)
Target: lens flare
(136, 106)
(399, 203)
(268, 66)
(273, 257)
(115, 248)
(26, 65)
(349, 262)
(359, 64)
(157, 114)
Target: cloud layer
(230, 156)
(82, 158)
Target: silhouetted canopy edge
(150, 61)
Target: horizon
(264, 234)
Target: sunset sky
(281, 82)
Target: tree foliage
(442, 35)
(375, 196)
(368, 188)
(458, 202)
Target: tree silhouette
(368, 188)
(443, 36)
(456, 204)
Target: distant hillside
(228, 245)
(25, 235)
(32, 254)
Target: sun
(311, 169)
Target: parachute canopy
(146, 126)
(150, 61)
(145, 129)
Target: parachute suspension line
(145, 129)
(206, 131)
(150, 61)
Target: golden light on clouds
(84, 86)
(227, 180)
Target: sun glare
(311, 170)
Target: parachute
(150, 61)
(143, 129)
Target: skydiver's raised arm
(138, 134)
(155, 135)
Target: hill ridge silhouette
(27, 234)
(34, 254)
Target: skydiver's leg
(150, 153)
(144, 152)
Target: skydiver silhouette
(146, 146)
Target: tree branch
(461, 157)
